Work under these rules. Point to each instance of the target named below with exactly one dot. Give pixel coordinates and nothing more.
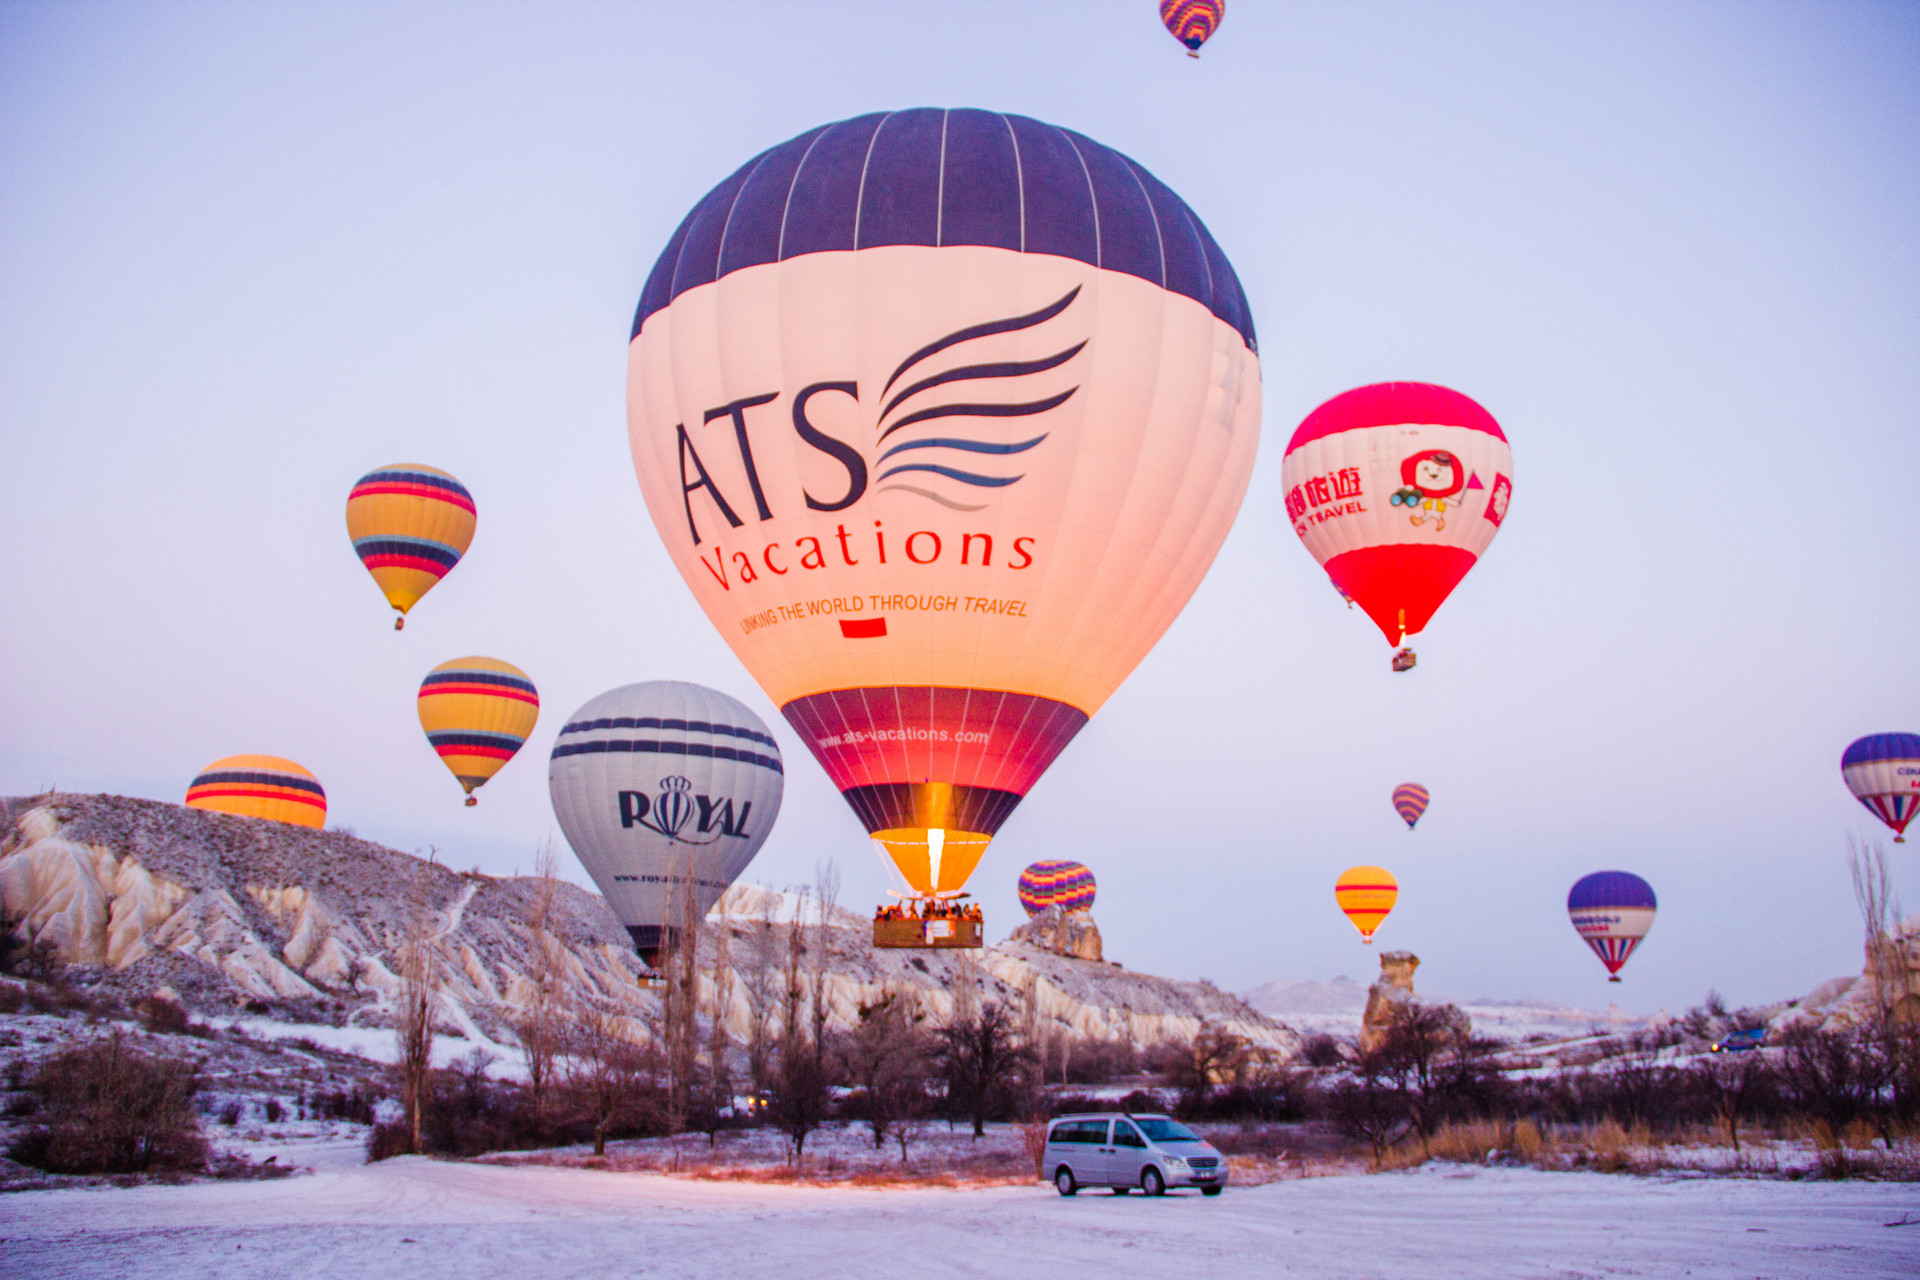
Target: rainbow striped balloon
(410, 525)
(1064, 884)
(1366, 894)
(1192, 22)
(1410, 801)
(260, 787)
(477, 713)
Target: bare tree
(826, 891)
(679, 1021)
(419, 993)
(1892, 1030)
(981, 1058)
(605, 1072)
(716, 1086)
(799, 1093)
(1732, 1085)
(886, 1055)
(540, 1026)
(760, 986)
(1215, 1055)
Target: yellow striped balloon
(1366, 894)
(477, 713)
(260, 787)
(410, 525)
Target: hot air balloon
(409, 524)
(1366, 894)
(477, 712)
(260, 787)
(1883, 772)
(1612, 910)
(1397, 488)
(659, 785)
(1410, 801)
(942, 415)
(1064, 884)
(1192, 22)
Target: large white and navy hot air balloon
(1612, 910)
(660, 783)
(942, 415)
(1883, 772)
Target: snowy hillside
(1333, 1007)
(304, 925)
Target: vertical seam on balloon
(940, 185)
(780, 246)
(860, 196)
(1019, 179)
(1206, 260)
(1093, 199)
(1159, 237)
(720, 252)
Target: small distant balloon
(1366, 894)
(1059, 883)
(477, 712)
(1193, 22)
(1883, 772)
(1612, 910)
(1410, 801)
(260, 787)
(410, 525)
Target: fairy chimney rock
(1394, 988)
(1065, 933)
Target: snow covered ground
(417, 1218)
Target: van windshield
(1167, 1131)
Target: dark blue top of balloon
(1610, 889)
(1882, 746)
(936, 177)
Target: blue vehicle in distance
(1741, 1041)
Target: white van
(1123, 1151)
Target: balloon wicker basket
(923, 934)
(1405, 660)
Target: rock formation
(226, 910)
(1065, 933)
(1889, 981)
(1386, 997)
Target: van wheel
(1211, 1191)
(1152, 1183)
(1063, 1182)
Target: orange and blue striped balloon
(1060, 883)
(1366, 894)
(1410, 801)
(1192, 22)
(260, 787)
(477, 713)
(410, 525)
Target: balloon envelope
(660, 784)
(260, 787)
(477, 712)
(1612, 910)
(1410, 801)
(1397, 489)
(1192, 22)
(410, 525)
(1056, 883)
(1883, 772)
(1366, 894)
(942, 415)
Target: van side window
(1125, 1135)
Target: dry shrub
(110, 1108)
(1528, 1142)
(1033, 1140)
(1860, 1135)
(1470, 1141)
(1609, 1146)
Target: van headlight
(1174, 1162)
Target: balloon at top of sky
(1366, 894)
(1193, 22)
(409, 524)
(1612, 910)
(658, 783)
(1396, 489)
(1056, 883)
(942, 415)
(260, 787)
(477, 713)
(1883, 772)
(1410, 801)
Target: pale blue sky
(248, 252)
